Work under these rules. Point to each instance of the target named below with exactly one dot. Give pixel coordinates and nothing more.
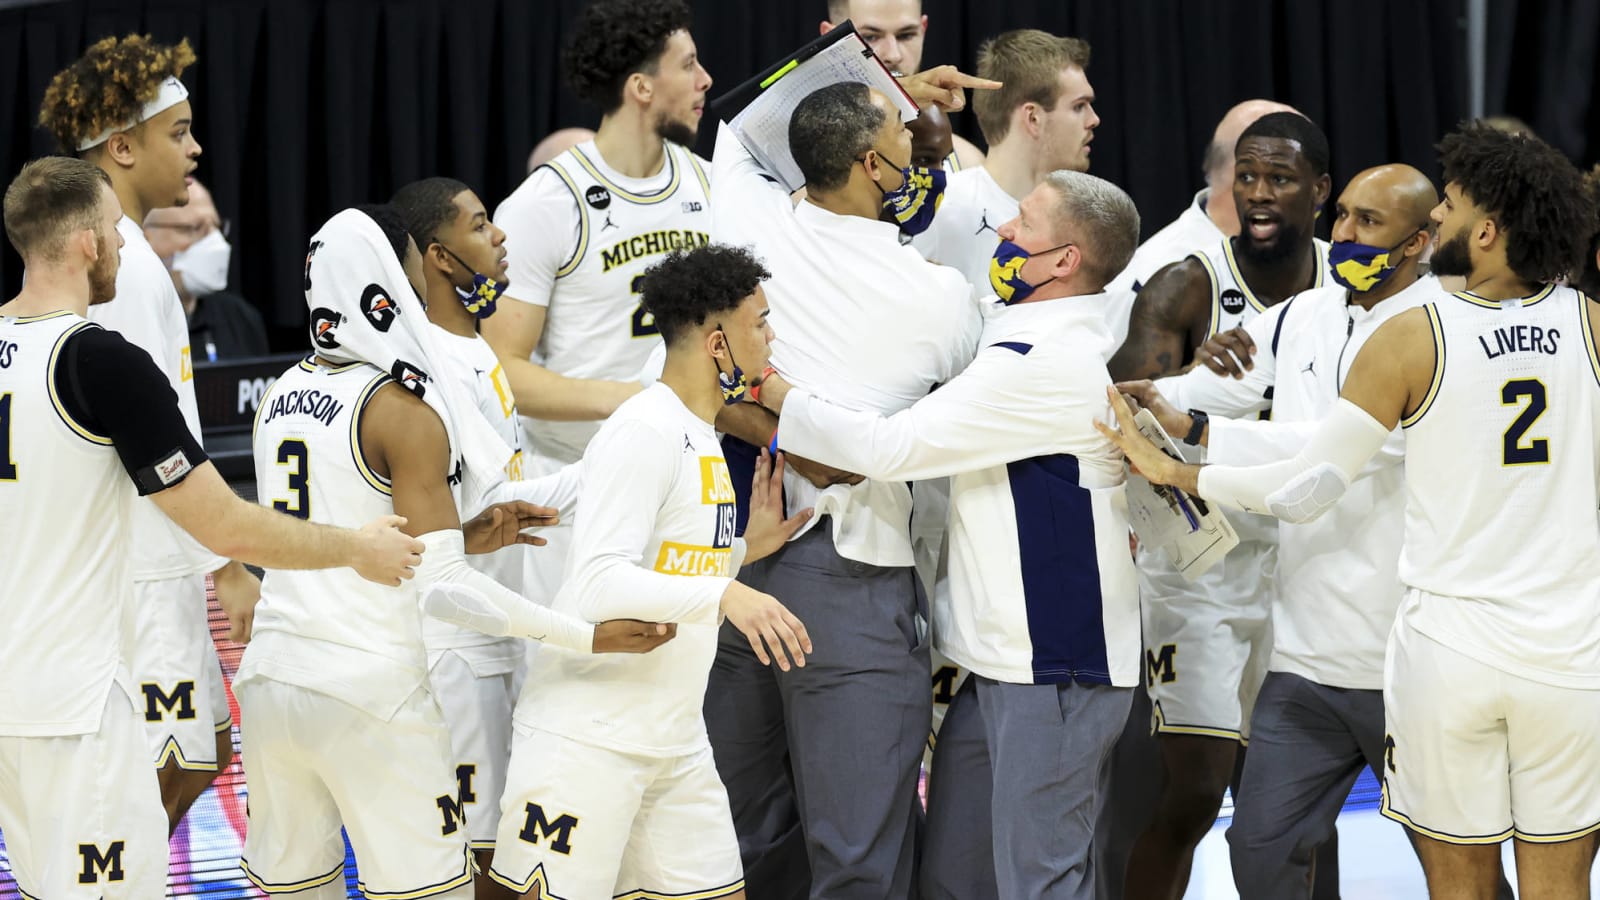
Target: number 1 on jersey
(8, 467)
(644, 324)
(1536, 450)
(294, 453)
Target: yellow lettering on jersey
(514, 467)
(185, 367)
(716, 485)
(692, 559)
(650, 243)
(502, 389)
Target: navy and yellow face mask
(914, 202)
(1005, 272)
(1362, 267)
(481, 297)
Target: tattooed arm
(1169, 320)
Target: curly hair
(108, 86)
(688, 286)
(1586, 277)
(427, 206)
(616, 38)
(1533, 193)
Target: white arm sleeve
(1302, 488)
(1248, 442)
(457, 593)
(559, 490)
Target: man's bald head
(1386, 206)
(556, 143)
(1218, 163)
(1401, 190)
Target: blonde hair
(1029, 61)
(108, 86)
(48, 200)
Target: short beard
(1282, 248)
(676, 132)
(102, 276)
(1452, 257)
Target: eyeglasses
(195, 230)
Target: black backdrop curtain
(308, 106)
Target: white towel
(363, 309)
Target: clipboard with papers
(758, 110)
(1190, 531)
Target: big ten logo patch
(716, 488)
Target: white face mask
(204, 264)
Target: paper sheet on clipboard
(763, 125)
(1193, 533)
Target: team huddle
(610, 537)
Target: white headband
(171, 94)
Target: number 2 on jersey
(644, 324)
(294, 453)
(1536, 450)
(8, 467)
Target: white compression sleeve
(457, 593)
(1303, 488)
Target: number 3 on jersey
(644, 324)
(1536, 450)
(293, 453)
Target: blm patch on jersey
(597, 197)
(1233, 301)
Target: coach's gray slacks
(821, 762)
(1308, 743)
(1020, 765)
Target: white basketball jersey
(66, 580)
(149, 314)
(471, 363)
(1502, 469)
(330, 630)
(595, 326)
(1232, 302)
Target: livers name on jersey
(649, 244)
(1519, 339)
(322, 407)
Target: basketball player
(340, 724)
(82, 413)
(472, 673)
(865, 696)
(895, 29)
(1498, 388)
(613, 789)
(1207, 641)
(1041, 120)
(1319, 717)
(580, 231)
(122, 107)
(1042, 601)
(1209, 218)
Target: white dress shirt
(859, 318)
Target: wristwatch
(1198, 428)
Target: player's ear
(87, 244)
(1322, 189)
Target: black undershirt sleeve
(113, 388)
